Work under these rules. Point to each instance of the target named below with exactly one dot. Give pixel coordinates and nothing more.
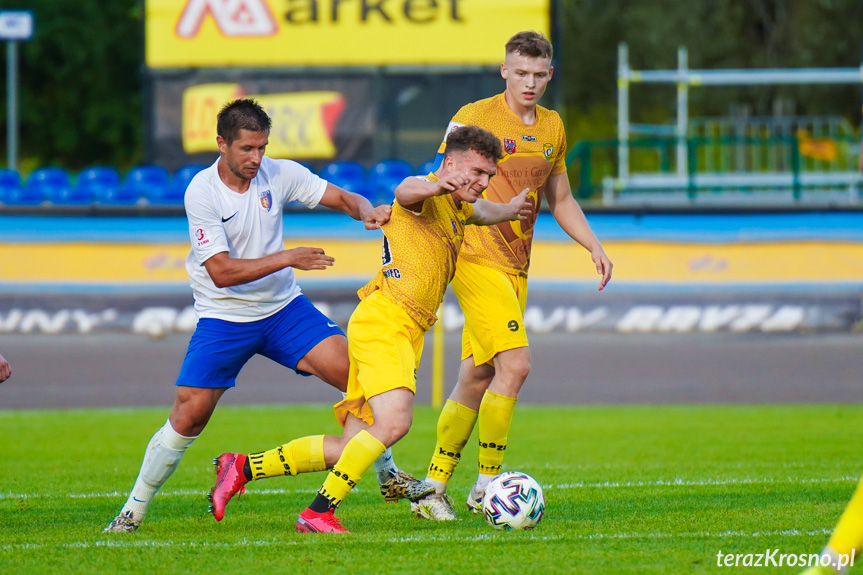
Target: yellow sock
(358, 455)
(454, 427)
(495, 417)
(298, 456)
(848, 534)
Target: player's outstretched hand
(377, 217)
(5, 370)
(521, 205)
(309, 259)
(603, 266)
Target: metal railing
(782, 163)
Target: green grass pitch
(629, 489)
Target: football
(513, 500)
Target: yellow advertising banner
(634, 261)
(303, 122)
(202, 33)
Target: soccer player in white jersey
(247, 299)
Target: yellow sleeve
(467, 210)
(560, 164)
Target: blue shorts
(219, 349)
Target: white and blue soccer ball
(513, 500)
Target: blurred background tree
(717, 34)
(80, 97)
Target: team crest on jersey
(454, 227)
(266, 199)
(547, 151)
(508, 146)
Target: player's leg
(385, 350)
(217, 351)
(495, 418)
(847, 537)
(457, 419)
(193, 407)
(393, 416)
(322, 350)
(493, 305)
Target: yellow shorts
(385, 346)
(493, 305)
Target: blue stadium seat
(69, 196)
(90, 184)
(10, 185)
(386, 175)
(42, 184)
(392, 170)
(175, 191)
(427, 168)
(383, 193)
(345, 174)
(140, 182)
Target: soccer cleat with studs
(230, 481)
(125, 522)
(474, 499)
(313, 522)
(437, 507)
(403, 485)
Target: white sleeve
(298, 183)
(206, 230)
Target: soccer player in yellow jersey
(491, 276)
(385, 333)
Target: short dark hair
(531, 44)
(242, 114)
(465, 138)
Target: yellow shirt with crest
(419, 254)
(532, 153)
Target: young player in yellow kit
(491, 276)
(385, 333)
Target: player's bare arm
(486, 213)
(570, 217)
(227, 271)
(412, 192)
(355, 206)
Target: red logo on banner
(233, 17)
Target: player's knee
(393, 428)
(517, 365)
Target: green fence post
(795, 168)
(691, 153)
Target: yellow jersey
(419, 254)
(532, 153)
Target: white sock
(482, 481)
(161, 458)
(385, 466)
(439, 486)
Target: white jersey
(247, 226)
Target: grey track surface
(130, 370)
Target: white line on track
(127, 543)
(576, 485)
